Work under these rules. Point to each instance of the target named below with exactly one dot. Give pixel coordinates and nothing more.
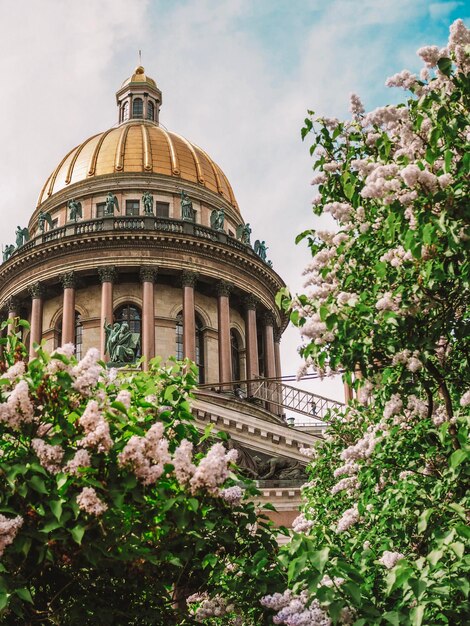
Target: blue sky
(237, 78)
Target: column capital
(277, 335)
(36, 290)
(107, 274)
(188, 279)
(269, 318)
(148, 274)
(68, 280)
(250, 301)
(224, 288)
(12, 304)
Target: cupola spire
(139, 97)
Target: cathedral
(137, 246)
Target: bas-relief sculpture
(270, 468)
(75, 210)
(121, 343)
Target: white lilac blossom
(355, 105)
(212, 607)
(89, 502)
(465, 399)
(213, 470)
(9, 528)
(301, 524)
(350, 484)
(96, 429)
(184, 467)
(80, 460)
(18, 409)
(124, 396)
(348, 519)
(50, 457)
(390, 559)
(14, 371)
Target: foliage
(106, 514)
(383, 538)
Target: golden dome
(139, 76)
(133, 147)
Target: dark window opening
(235, 352)
(179, 337)
(125, 111)
(138, 108)
(150, 111)
(132, 208)
(100, 209)
(162, 209)
(260, 337)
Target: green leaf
(37, 483)
(392, 617)
(77, 533)
(423, 520)
(56, 508)
(435, 556)
(24, 594)
(417, 615)
(3, 599)
(353, 590)
(458, 548)
(319, 558)
(457, 457)
(445, 65)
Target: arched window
(235, 352)
(260, 337)
(131, 314)
(125, 111)
(78, 335)
(199, 341)
(138, 108)
(150, 111)
(58, 333)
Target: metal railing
(277, 397)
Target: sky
(237, 77)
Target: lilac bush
(383, 537)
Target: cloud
(442, 10)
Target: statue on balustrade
(44, 217)
(260, 248)
(8, 251)
(75, 209)
(22, 236)
(121, 343)
(110, 202)
(243, 233)
(187, 211)
(147, 201)
(217, 219)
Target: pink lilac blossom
(301, 524)
(89, 502)
(213, 470)
(87, 372)
(292, 610)
(397, 256)
(319, 179)
(390, 559)
(96, 429)
(365, 392)
(465, 399)
(14, 371)
(327, 581)
(124, 396)
(355, 105)
(50, 457)
(182, 462)
(9, 528)
(388, 302)
(80, 460)
(213, 607)
(430, 55)
(148, 455)
(18, 409)
(232, 495)
(341, 211)
(393, 406)
(404, 79)
(350, 484)
(348, 519)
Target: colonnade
(148, 276)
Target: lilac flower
(348, 519)
(80, 460)
(96, 429)
(8, 530)
(50, 457)
(89, 502)
(390, 559)
(301, 524)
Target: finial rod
(140, 57)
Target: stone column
(270, 357)
(223, 323)
(68, 310)
(107, 276)
(147, 276)
(188, 281)
(35, 333)
(252, 368)
(277, 358)
(13, 307)
(348, 392)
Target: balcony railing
(137, 223)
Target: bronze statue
(187, 211)
(280, 468)
(75, 209)
(8, 251)
(22, 236)
(121, 343)
(217, 219)
(110, 202)
(147, 201)
(44, 217)
(260, 249)
(243, 233)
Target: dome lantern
(139, 98)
